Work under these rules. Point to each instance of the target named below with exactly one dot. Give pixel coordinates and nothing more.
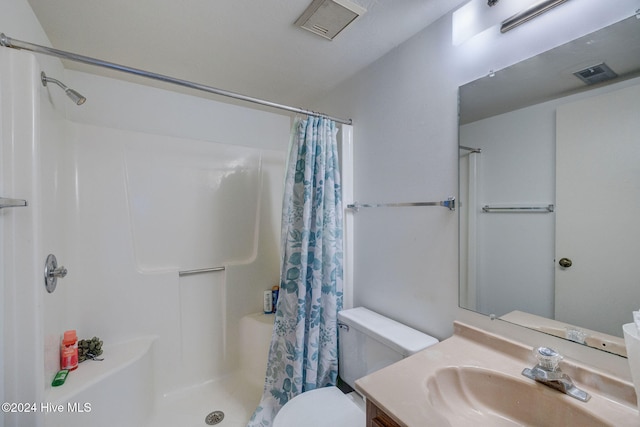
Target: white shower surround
(128, 190)
(95, 201)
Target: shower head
(75, 96)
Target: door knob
(565, 262)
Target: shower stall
(164, 208)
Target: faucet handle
(547, 358)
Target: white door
(598, 210)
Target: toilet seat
(321, 407)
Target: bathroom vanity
(376, 417)
(475, 378)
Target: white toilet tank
(369, 341)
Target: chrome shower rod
(18, 44)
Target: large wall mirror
(550, 189)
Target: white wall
(20, 234)
(404, 109)
(21, 263)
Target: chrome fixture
(32, 47)
(565, 262)
(214, 418)
(12, 203)
(343, 326)
(75, 96)
(450, 203)
(470, 149)
(548, 373)
(528, 14)
(200, 270)
(52, 272)
(541, 209)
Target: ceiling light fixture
(528, 14)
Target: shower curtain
(304, 346)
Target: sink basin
(473, 396)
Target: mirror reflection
(550, 189)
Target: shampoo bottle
(267, 302)
(275, 291)
(69, 351)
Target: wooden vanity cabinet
(376, 417)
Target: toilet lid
(321, 407)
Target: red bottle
(69, 351)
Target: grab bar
(12, 203)
(539, 209)
(449, 203)
(200, 270)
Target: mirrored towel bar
(539, 209)
(470, 149)
(449, 203)
(200, 270)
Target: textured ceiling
(247, 46)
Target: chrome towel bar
(449, 203)
(471, 149)
(12, 203)
(538, 209)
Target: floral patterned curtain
(304, 346)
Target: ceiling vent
(327, 18)
(596, 74)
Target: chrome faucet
(548, 373)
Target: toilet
(368, 342)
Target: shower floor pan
(232, 395)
